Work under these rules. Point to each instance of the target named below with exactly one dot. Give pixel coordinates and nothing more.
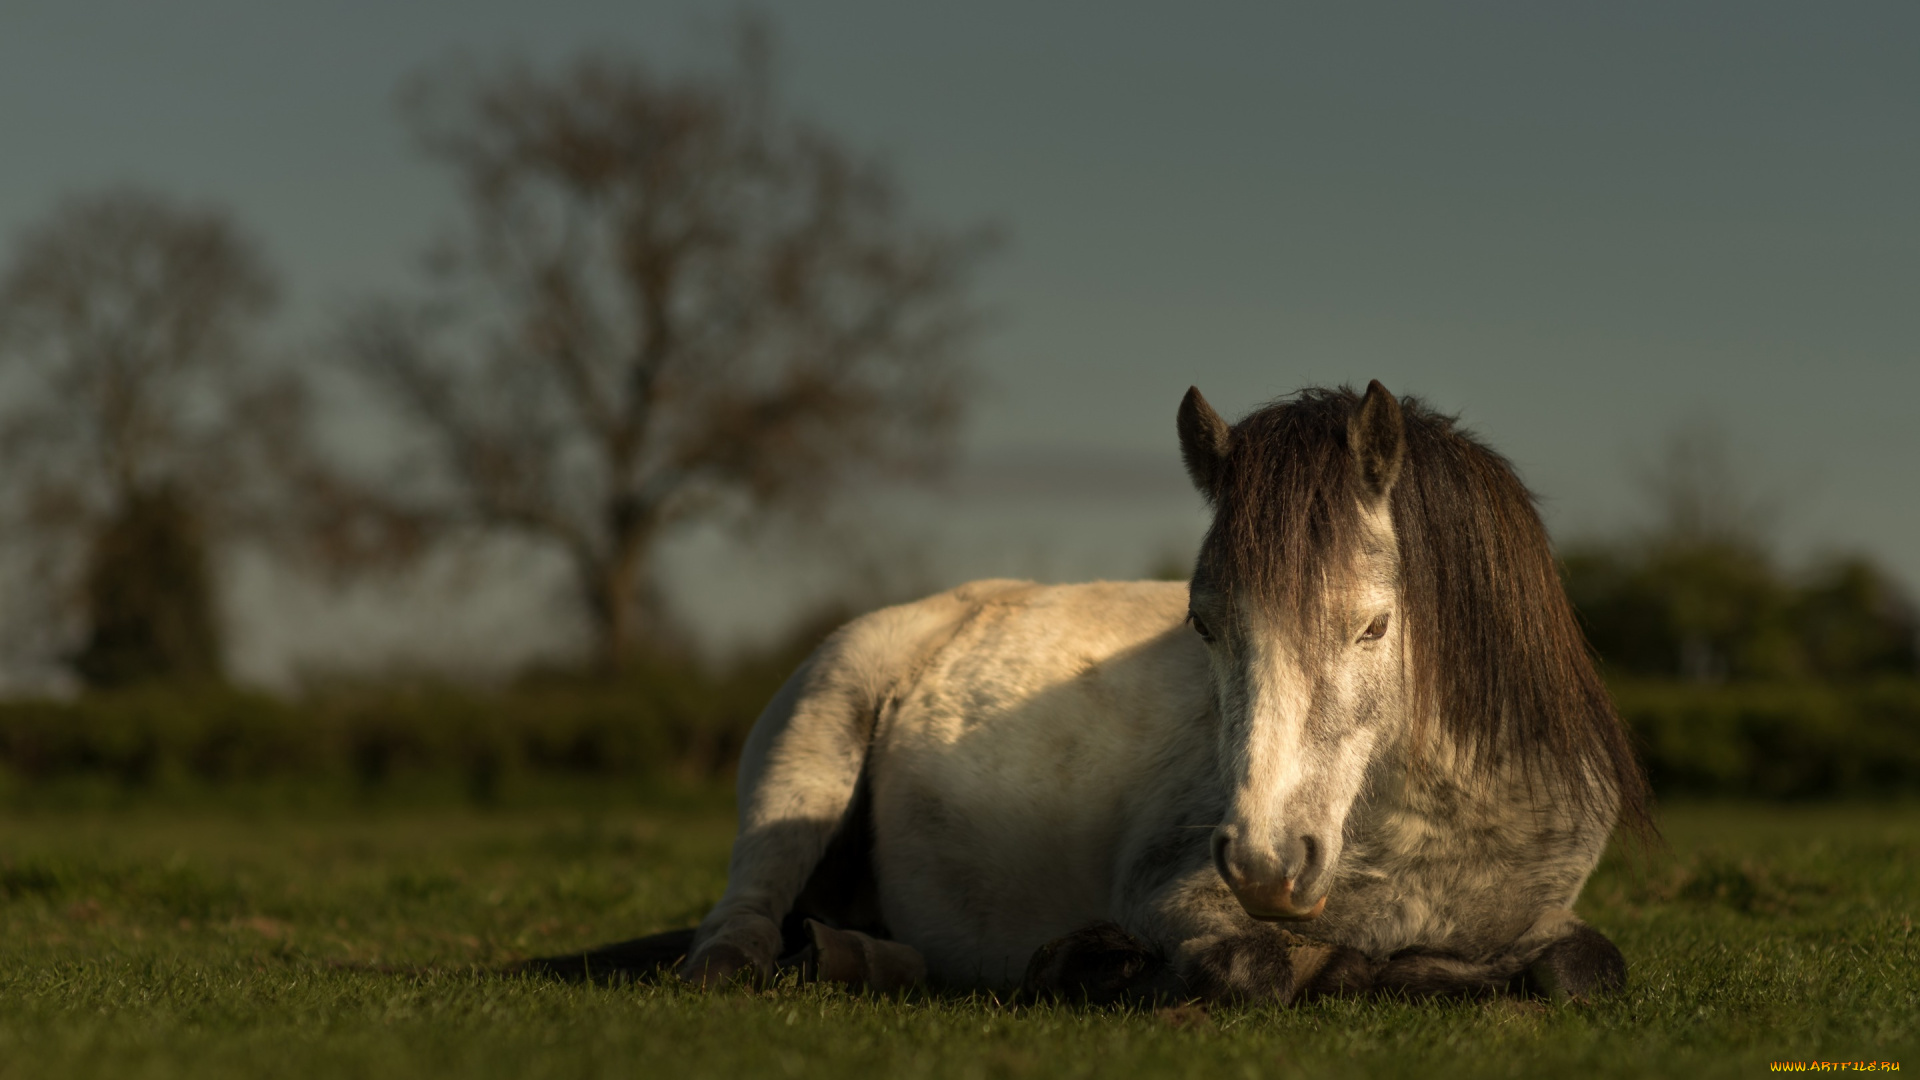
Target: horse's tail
(801, 772)
(623, 961)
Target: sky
(1584, 228)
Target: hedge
(1777, 741)
(1792, 740)
(658, 721)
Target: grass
(234, 936)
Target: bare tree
(140, 424)
(124, 318)
(668, 303)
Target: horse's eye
(1376, 629)
(1200, 627)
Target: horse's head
(1296, 593)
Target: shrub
(1777, 740)
(1780, 740)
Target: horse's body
(1069, 787)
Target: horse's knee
(1332, 971)
(1342, 971)
(857, 960)
(743, 947)
(1579, 965)
(1425, 973)
(1101, 965)
(1247, 967)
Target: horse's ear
(1204, 439)
(1377, 435)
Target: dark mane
(1495, 650)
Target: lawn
(259, 934)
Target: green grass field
(239, 936)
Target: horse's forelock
(1288, 518)
(1496, 653)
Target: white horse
(1363, 750)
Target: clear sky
(1581, 226)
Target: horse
(1363, 750)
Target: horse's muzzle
(1265, 889)
(1275, 903)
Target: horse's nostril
(1221, 843)
(1310, 850)
(1301, 859)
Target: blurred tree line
(1699, 596)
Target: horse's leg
(1173, 895)
(1254, 964)
(1559, 956)
(1178, 933)
(1578, 961)
(1426, 973)
(1217, 952)
(1186, 940)
(1105, 965)
(1101, 964)
(798, 775)
(1261, 962)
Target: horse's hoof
(1101, 965)
(1581, 965)
(719, 964)
(860, 961)
(837, 955)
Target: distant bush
(1777, 740)
(1696, 590)
(659, 718)
(1715, 610)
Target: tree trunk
(612, 590)
(151, 615)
